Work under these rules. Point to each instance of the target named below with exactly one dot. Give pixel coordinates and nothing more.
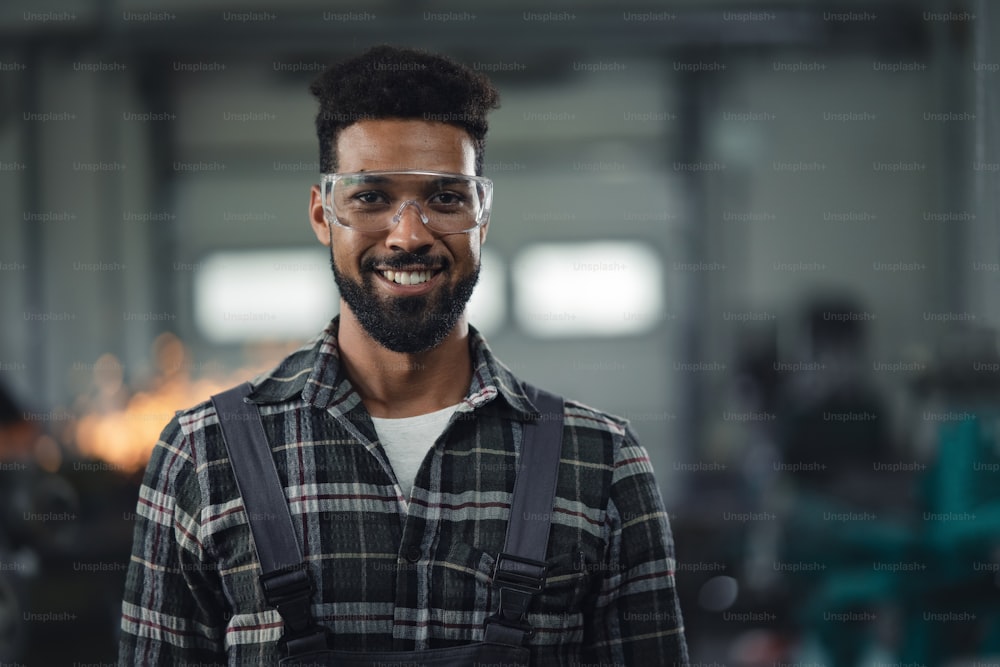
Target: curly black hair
(390, 82)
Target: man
(396, 435)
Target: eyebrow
(368, 178)
(448, 180)
(379, 179)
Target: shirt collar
(313, 373)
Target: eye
(450, 199)
(370, 197)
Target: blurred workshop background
(766, 232)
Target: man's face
(403, 318)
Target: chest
(416, 569)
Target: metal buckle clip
(289, 591)
(522, 572)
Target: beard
(408, 324)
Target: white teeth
(407, 277)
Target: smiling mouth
(409, 277)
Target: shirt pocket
(557, 611)
(465, 596)
(460, 594)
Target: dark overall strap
(284, 578)
(520, 569)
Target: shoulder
(594, 435)
(601, 437)
(193, 430)
(196, 431)
(583, 417)
(188, 449)
(180, 452)
(189, 470)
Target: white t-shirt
(407, 440)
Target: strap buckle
(521, 572)
(289, 591)
(519, 579)
(512, 611)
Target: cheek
(345, 252)
(466, 250)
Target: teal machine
(900, 554)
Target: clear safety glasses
(373, 201)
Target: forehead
(393, 144)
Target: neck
(397, 384)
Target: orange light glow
(121, 428)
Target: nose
(402, 207)
(409, 231)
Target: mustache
(404, 259)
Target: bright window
(606, 288)
(488, 306)
(275, 295)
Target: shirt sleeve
(636, 618)
(172, 612)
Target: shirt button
(413, 553)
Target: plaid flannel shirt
(395, 573)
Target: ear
(483, 228)
(317, 217)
